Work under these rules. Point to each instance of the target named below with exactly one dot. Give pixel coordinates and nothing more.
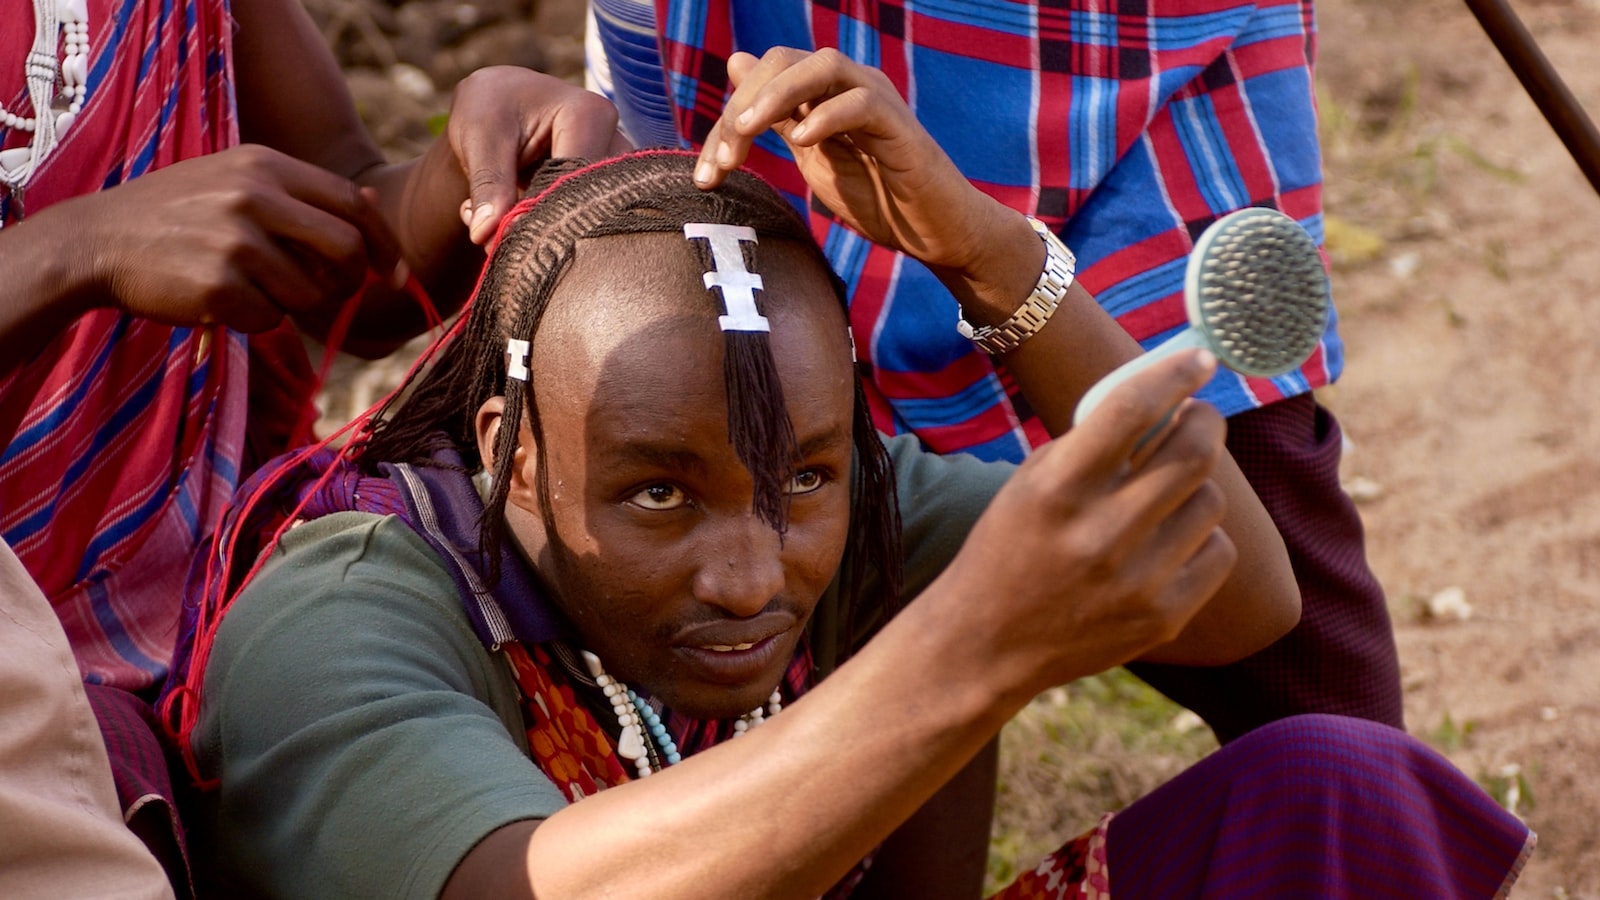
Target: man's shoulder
(923, 476)
(355, 546)
(346, 571)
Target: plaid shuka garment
(1128, 126)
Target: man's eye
(807, 481)
(659, 496)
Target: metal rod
(1542, 83)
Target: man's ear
(487, 425)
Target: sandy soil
(1471, 330)
(1466, 281)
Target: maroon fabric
(1341, 658)
(140, 770)
(1317, 806)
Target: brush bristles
(1263, 293)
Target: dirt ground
(1471, 329)
(1467, 285)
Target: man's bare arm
(869, 161)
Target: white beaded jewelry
(630, 745)
(758, 715)
(57, 73)
(645, 741)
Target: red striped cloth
(122, 437)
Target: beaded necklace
(645, 740)
(57, 75)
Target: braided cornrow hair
(649, 191)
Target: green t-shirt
(365, 738)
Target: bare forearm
(941, 852)
(422, 201)
(1080, 344)
(787, 809)
(293, 98)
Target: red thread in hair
(184, 700)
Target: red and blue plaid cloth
(1127, 125)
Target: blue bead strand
(658, 732)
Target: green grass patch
(1078, 752)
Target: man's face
(655, 554)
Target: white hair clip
(738, 283)
(517, 359)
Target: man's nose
(741, 566)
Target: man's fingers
(708, 170)
(1200, 576)
(799, 87)
(854, 112)
(494, 158)
(294, 284)
(1179, 475)
(341, 199)
(489, 157)
(249, 309)
(1183, 530)
(727, 145)
(329, 237)
(584, 126)
(1107, 440)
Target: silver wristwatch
(1059, 266)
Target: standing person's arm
(868, 160)
(293, 223)
(292, 97)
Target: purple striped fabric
(1318, 806)
(142, 775)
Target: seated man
(634, 508)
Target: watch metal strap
(1059, 267)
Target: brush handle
(1190, 338)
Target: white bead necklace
(658, 750)
(57, 74)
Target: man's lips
(735, 635)
(734, 653)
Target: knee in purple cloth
(1323, 806)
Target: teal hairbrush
(1256, 295)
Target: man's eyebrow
(672, 457)
(825, 440)
(665, 457)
